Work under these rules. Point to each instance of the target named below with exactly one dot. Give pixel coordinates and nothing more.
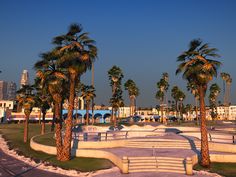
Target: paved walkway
(10, 166)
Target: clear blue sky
(142, 37)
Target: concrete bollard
(125, 166)
(189, 166)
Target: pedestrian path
(12, 167)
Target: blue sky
(142, 37)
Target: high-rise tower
(24, 78)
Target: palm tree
(193, 89)
(25, 98)
(53, 80)
(214, 93)
(228, 84)
(188, 110)
(88, 93)
(174, 94)
(199, 68)
(178, 96)
(227, 80)
(43, 101)
(162, 86)
(115, 76)
(76, 53)
(133, 93)
(116, 101)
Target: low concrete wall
(101, 154)
(83, 153)
(223, 158)
(101, 144)
(186, 129)
(40, 147)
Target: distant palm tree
(214, 93)
(43, 100)
(178, 96)
(193, 89)
(133, 93)
(116, 101)
(115, 76)
(162, 86)
(88, 93)
(76, 53)
(227, 80)
(25, 98)
(199, 68)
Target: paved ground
(133, 152)
(10, 166)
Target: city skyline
(143, 39)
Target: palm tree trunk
(130, 106)
(68, 130)
(87, 112)
(43, 123)
(39, 117)
(26, 127)
(205, 159)
(53, 119)
(115, 123)
(196, 111)
(58, 130)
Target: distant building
(11, 90)
(3, 90)
(24, 78)
(227, 112)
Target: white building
(227, 112)
(5, 105)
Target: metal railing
(154, 154)
(223, 138)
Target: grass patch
(13, 133)
(224, 169)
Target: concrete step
(158, 157)
(168, 165)
(148, 147)
(158, 170)
(159, 140)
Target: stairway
(156, 164)
(161, 143)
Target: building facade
(11, 91)
(3, 90)
(24, 78)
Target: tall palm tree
(198, 67)
(53, 79)
(214, 93)
(116, 101)
(227, 80)
(162, 86)
(228, 84)
(25, 98)
(174, 94)
(115, 76)
(133, 92)
(42, 100)
(88, 93)
(76, 53)
(193, 89)
(178, 95)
